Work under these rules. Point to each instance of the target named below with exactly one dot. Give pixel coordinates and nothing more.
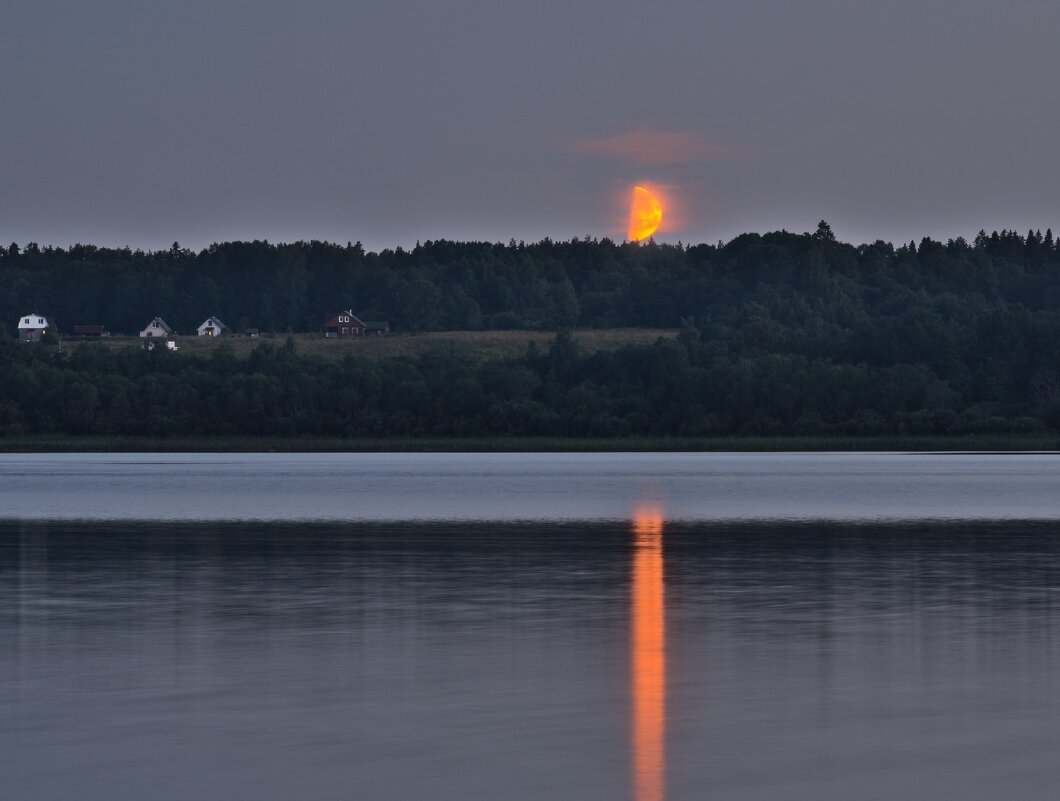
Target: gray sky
(142, 122)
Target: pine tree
(824, 232)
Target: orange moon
(645, 214)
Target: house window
(345, 330)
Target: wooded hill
(781, 333)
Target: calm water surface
(541, 486)
(605, 647)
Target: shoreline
(977, 443)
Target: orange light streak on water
(648, 658)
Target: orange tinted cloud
(650, 147)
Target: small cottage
(33, 327)
(91, 331)
(212, 327)
(344, 324)
(157, 328)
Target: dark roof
(376, 324)
(89, 329)
(331, 318)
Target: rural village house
(212, 327)
(157, 328)
(343, 324)
(91, 331)
(346, 324)
(32, 327)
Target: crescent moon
(645, 214)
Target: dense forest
(780, 334)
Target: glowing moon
(645, 214)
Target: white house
(157, 328)
(212, 327)
(32, 327)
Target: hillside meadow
(479, 344)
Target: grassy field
(980, 443)
(485, 344)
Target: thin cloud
(648, 146)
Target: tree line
(586, 283)
(779, 334)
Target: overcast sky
(142, 122)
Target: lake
(523, 487)
(572, 626)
